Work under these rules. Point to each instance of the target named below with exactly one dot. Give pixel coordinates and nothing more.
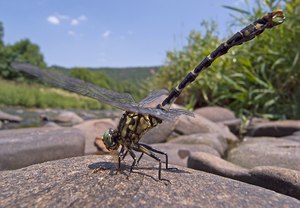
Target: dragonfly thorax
(111, 139)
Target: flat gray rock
(274, 128)
(68, 117)
(215, 113)
(23, 147)
(216, 165)
(266, 151)
(178, 153)
(191, 125)
(214, 140)
(293, 137)
(297, 133)
(8, 117)
(281, 180)
(72, 183)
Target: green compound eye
(107, 138)
(109, 141)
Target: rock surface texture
(73, 182)
(230, 171)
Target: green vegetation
(29, 93)
(34, 95)
(260, 78)
(23, 51)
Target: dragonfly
(139, 118)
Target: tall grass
(13, 93)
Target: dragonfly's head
(111, 139)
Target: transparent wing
(169, 115)
(152, 97)
(123, 101)
(120, 100)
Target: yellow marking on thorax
(137, 125)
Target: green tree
(1, 34)
(26, 51)
(5, 56)
(95, 77)
(22, 51)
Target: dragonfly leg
(140, 158)
(159, 152)
(124, 155)
(121, 156)
(140, 148)
(134, 159)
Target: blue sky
(114, 33)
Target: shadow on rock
(112, 167)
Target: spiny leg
(143, 149)
(139, 158)
(157, 151)
(134, 159)
(121, 156)
(124, 155)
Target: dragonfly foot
(172, 168)
(165, 181)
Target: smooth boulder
(274, 128)
(23, 147)
(216, 165)
(68, 117)
(8, 117)
(266, 151)
(93, 129)
(91, 181)
(191, 125)
(178, 153)
(214, 140)
(281, 180)
(215, 113)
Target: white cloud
(60, 18)
(106, 34)
(71, 33)
(74, 22)
(53, 20)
